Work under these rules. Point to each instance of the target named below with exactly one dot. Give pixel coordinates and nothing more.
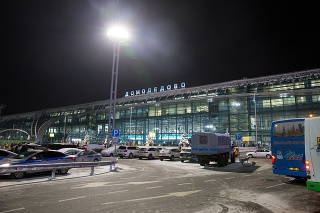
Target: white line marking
(154, 187)
(274, 185)
(177, 194)
(13, 210)
(118, 191)
(180, 184)
(74, 198)
(210, 180)
(229, 178)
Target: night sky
(55, 53)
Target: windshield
(24, 155)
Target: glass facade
(246, 106)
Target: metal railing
(5, 169)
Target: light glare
(118, 33)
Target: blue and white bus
(288, 148)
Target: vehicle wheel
(202, 163)
(130, 155)
(250, 156)
(220, 162)
(226, 157)
(121, 156)
(182, 161)
(161, 159)
(172, 158)
(140, 158)
(63, 171)
(111, 155)
(233, 158)
(18, 175)
(150, 157)
(268, 156)
(96, 160)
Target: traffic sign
(115, 132)
(238, 136)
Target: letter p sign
(115, 133)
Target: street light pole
(117, 35)
(255, 116)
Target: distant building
(246, 106)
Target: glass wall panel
(152, 111)
(172, 109)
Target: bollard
(92, 170)
(53, 174)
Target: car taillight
(272, 159)
(72, 157)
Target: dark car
(38, 157)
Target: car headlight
(5, 165)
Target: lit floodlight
(118, 33)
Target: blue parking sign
(238, 137)
(115, 132)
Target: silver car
(260, 153)
(109, 152)
(82, 155)
(5, 155)
(169, 153)
(38, 157)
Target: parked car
(70, 151)
(260, 153)
(56, 146)
(186, 154)
(95, 147)
(5, 155)
(128, 151)
(169, 153)
(38, 157)
(149, 152)
(82, 155)
(109, 152)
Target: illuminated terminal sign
(155, 89)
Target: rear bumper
(164, 157)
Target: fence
(5, 168)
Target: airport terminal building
(245, 107)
